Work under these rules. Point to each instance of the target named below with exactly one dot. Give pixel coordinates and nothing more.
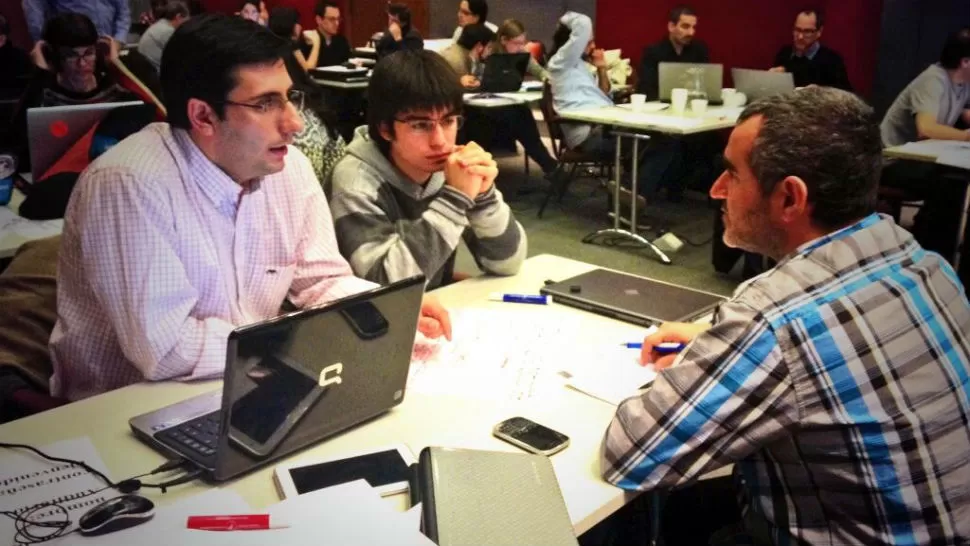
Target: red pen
(241, 522)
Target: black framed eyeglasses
(274, 103)
(426, 126)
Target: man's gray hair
(827, 137)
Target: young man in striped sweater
(405, 195)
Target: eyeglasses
(426, 126)
(804, 31)
(275, 104)
(73, 55)
(332, 19)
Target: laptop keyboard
(198, 437)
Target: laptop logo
(331, 375)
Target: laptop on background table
(293, 381)
(52, 130)
(504, 72)
(632, 299)
(757, 84)
(674, 75)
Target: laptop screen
(297, 379)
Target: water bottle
(8, 167)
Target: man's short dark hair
(403, 14)
(676, 13)
(955, 49)
(827, 137)
(559, 38)
(70, 30)
(228, 43)
(479, 8)
(409, 81)
(320, 10)
(817, 12)
(282, 20)
(170, 9)
(472, 35)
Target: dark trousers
(514, 121)
(658, 156)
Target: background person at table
(511, 38)
(334, 47)
(680, 46)
(810, 62)
(399, 35)
(169, 14)
(74, 66)
(471, 12)
(285, 23)
(929, 107)
(832, 381)
(188, 229)
(467, 58)
(111, 18)
(404, 196)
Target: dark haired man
(405, 195)
(679, 46)
(334, 47)
(471, 12)
(190, 228)
(400, 34)
(810, 62)
(169, 15)
(836, 381)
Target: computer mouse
(116, 514)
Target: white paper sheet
(28, 480)
(937, 148)
(616, 374)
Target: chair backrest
(552, 119)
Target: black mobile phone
(531, 436)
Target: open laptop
(52, 130)
(674, 75)
(504, 72)
(632, 299)
(757, 84)
(293, 381)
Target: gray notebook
(491, 498)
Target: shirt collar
(810, 53)
(846, 232)
(218, 187)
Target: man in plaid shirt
(838, 383)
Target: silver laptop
(52, 130)
(757, 84)
(674, 75)
(632, 299)
(293, 381)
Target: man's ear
(202, 117)
(791, 199)
(386, 132)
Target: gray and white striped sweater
(390, 228)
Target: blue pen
(667, 348)
(520, 298)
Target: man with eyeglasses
(334, 48)
(405, 195)
(188, 229)
(809, 62)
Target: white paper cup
(698, 106)
(678, 100)
(637, 100)
(727, 93)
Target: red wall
(304, 6)
(747, 34)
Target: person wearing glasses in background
(400, 34)
(510, 39)
(190, 228)
(809, 62)
(285, 23)
(471, 12)
(405, 195)
(73, 67)
(334, 48)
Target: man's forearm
(938, 131)
(604, 79)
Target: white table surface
(10, 241)
(664, 121)
(342, 85)
(502, 99)
(421, 420)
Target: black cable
(27, 528)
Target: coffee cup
(678, 100)
(698, 106)
(637, 100)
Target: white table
(927, 154)
(342, 85)
(421, 420)
(500, 100)
(10, 240)
(640, 122)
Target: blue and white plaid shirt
(839, 384)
